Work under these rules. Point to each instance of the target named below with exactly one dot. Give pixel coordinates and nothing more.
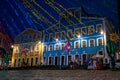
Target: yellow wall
(29, 56)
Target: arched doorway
(56, 60)
(31, 61)
(62, 60)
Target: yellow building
(29, 41)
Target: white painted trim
(97, 27)
(93, 29)
(98, 39)
(44, 49)
(61, 59)
(58, 34)
(75, 31)
(45, 59)
(62, 35)
(70, 32)
(79, 12)
(49, 47)
(78, 44)
(55, 46)
(75, 55)
(48, 59)
(61, 46)
(67, 59)
(85, 30)
(54, 59)
(82, 43)
(82, 57)
(93, 42)
(50, 34)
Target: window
(99, 28)
(50, 47)
(56, 47)
(15, 63)
(32, 48)
(83, 30)
(36, 61)
(50, 37)
(69, 33)
(90, 29)
(84, 44)
(34, 36)
(46, 37)
(77, 14)
(63, 35)
(63, 16)
(17, 49)
(63, 46)
(100, 42)
(76, 32)
(56, 35)
(76, 45)
(68, 15)
(45, 48)
(37, 47)
(91, 43)
(44, 60)
(50, 60)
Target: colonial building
(75, 37)
(28, 48)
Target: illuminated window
(32, 48)
(37, 47)
(84, 44)
(63, 35)
(69, 33)
(46, 37)
(83, 30)
(100, 42)
(56, 47)
(77, 14)
(17, 50)
(90, 29)
(50, 47)
(50, 36)
(76, 32)
(56, 35)
(99, 28)
(91, 43)
(76, 44)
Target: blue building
(86, 34)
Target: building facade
(86, 36)
(5, 46)
(27, 49)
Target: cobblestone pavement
(59, 75)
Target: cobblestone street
(60, 75)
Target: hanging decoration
(68, 46)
